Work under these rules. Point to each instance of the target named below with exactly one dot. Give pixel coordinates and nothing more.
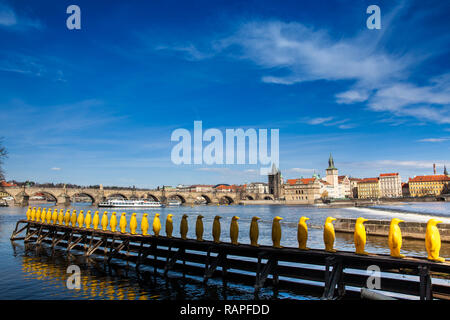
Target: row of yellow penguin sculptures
(432, 237)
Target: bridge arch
(82, 194)
(151, 197)
(116, 195)
(268, 198)
(226, 200)
(203, 198)
(46, 194)
(177, 197)
(248, 197)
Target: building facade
(302, 191)
(354, 187)
(257, 187)
(390, 185)
(420, 186)
(275, 183)
(369, 188)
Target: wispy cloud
(55, 169)
(301, 170)
(433, 140)
(330, 121)
(315, 121)
(10, 19)
(377, 78)
(300, 53)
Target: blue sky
(98, 105)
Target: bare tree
(3, 155)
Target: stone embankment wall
(412, 230)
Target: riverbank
(410, 230)
(346, 203)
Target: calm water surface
(30, 272)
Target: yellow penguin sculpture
(28, 213)
(328, 234)
(169, 225)
(88, 219)
(67, 218)
(254, 231)
(433, 240)
(61, 217)
(104, 221)
(395, 238)
(38, 215)
(43, 215)
(80, 219)
(216, 230)
(48, 217)
(144, 225)
(133, 223)
(276, 232)
(360, 236)
(123, 223)
(73, 218)
(302, 233)
(234, 230)
(184, 227)
(113, 222)
(33, 214)
(199, 228)
(156, 225)
(96, 220)
(55, 216)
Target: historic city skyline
(98, 105)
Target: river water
(35, 273)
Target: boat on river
(115, 203)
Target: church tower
(332, 172)
(275, 181)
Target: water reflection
(117, 281)
(35, 272)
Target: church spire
(331, 163)
(445, 171)
(274, 168)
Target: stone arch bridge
(65, 196)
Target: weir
(338, 275)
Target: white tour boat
(130, 204)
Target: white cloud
(55, 169)
(9, 19)
(433, 140)
(293, 53)
(306, 54)
(301, 170)
(315, 121)
(7, 16)
(352, 96)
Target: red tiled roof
(388, 174)
(368, 180)
(302, 181)
(6, 184)
(233, 187)
(436, 177)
